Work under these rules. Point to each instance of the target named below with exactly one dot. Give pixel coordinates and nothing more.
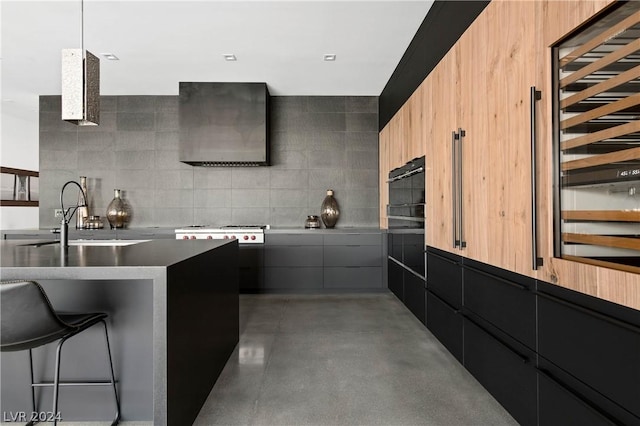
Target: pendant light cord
(82, 26)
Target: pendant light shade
(80, 87)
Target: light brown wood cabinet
(483, 86)
(470, 86)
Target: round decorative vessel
(312, 222)
(118, 211)
(330, 212)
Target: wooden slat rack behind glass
(598, 112)
(15, 202)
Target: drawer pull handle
(584, 401)
(502, 280)
(589, 312)
(513, 351)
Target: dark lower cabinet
(292, 278)
(353, 277)
(395, 279)
(444, 276)
(560, 405)
(250, 268)
(414, 295)
(549, 355)
(446, 323)
(504, 299)
(444, 299)
(582, 337)
(509, 375)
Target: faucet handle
(55, 230)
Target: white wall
(19, 148)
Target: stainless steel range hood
(224, 124)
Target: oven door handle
(406, 174)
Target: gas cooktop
(245, 234)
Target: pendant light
(80, 83)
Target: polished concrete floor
(342, 360)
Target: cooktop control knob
(209, 237)
(186, 237)
(246, 237)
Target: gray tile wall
(317, 143)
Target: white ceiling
(161, 43)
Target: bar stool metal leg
(113, 377)
(33, 388)
(56, 381)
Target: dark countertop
(155, 232)
(302, 230)
(153, 253)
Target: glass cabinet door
(597, 141)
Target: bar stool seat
(28, 321)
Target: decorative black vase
(329, 210)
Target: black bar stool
(28, 321)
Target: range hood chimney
(224, 124)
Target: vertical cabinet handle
(461, 135)
(535, 95)
(454, 189)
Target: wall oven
(406, 195)
(406, 216)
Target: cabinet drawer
(292, 278)
(292, 256)
(353, 239)
(293, 239)
(504, 302)
(559, 406)
(445, 323)
(352, 255)
(600, 351)
(503, 372)
(414, 295)
(444, 278)
(355, 277)
(395, 280)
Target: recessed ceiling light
(230, 57)
(329, 56)
(110, 57)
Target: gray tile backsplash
(317, 143)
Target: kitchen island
(173, 323)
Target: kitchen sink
(105, 243)
(94, 243)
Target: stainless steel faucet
(64, 223)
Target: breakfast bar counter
(173, 323)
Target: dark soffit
(445, 22)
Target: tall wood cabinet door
(414, 125)
(396, 137)
(498, 62)
(441, 117)
(383, 172)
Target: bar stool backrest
(27, 319)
